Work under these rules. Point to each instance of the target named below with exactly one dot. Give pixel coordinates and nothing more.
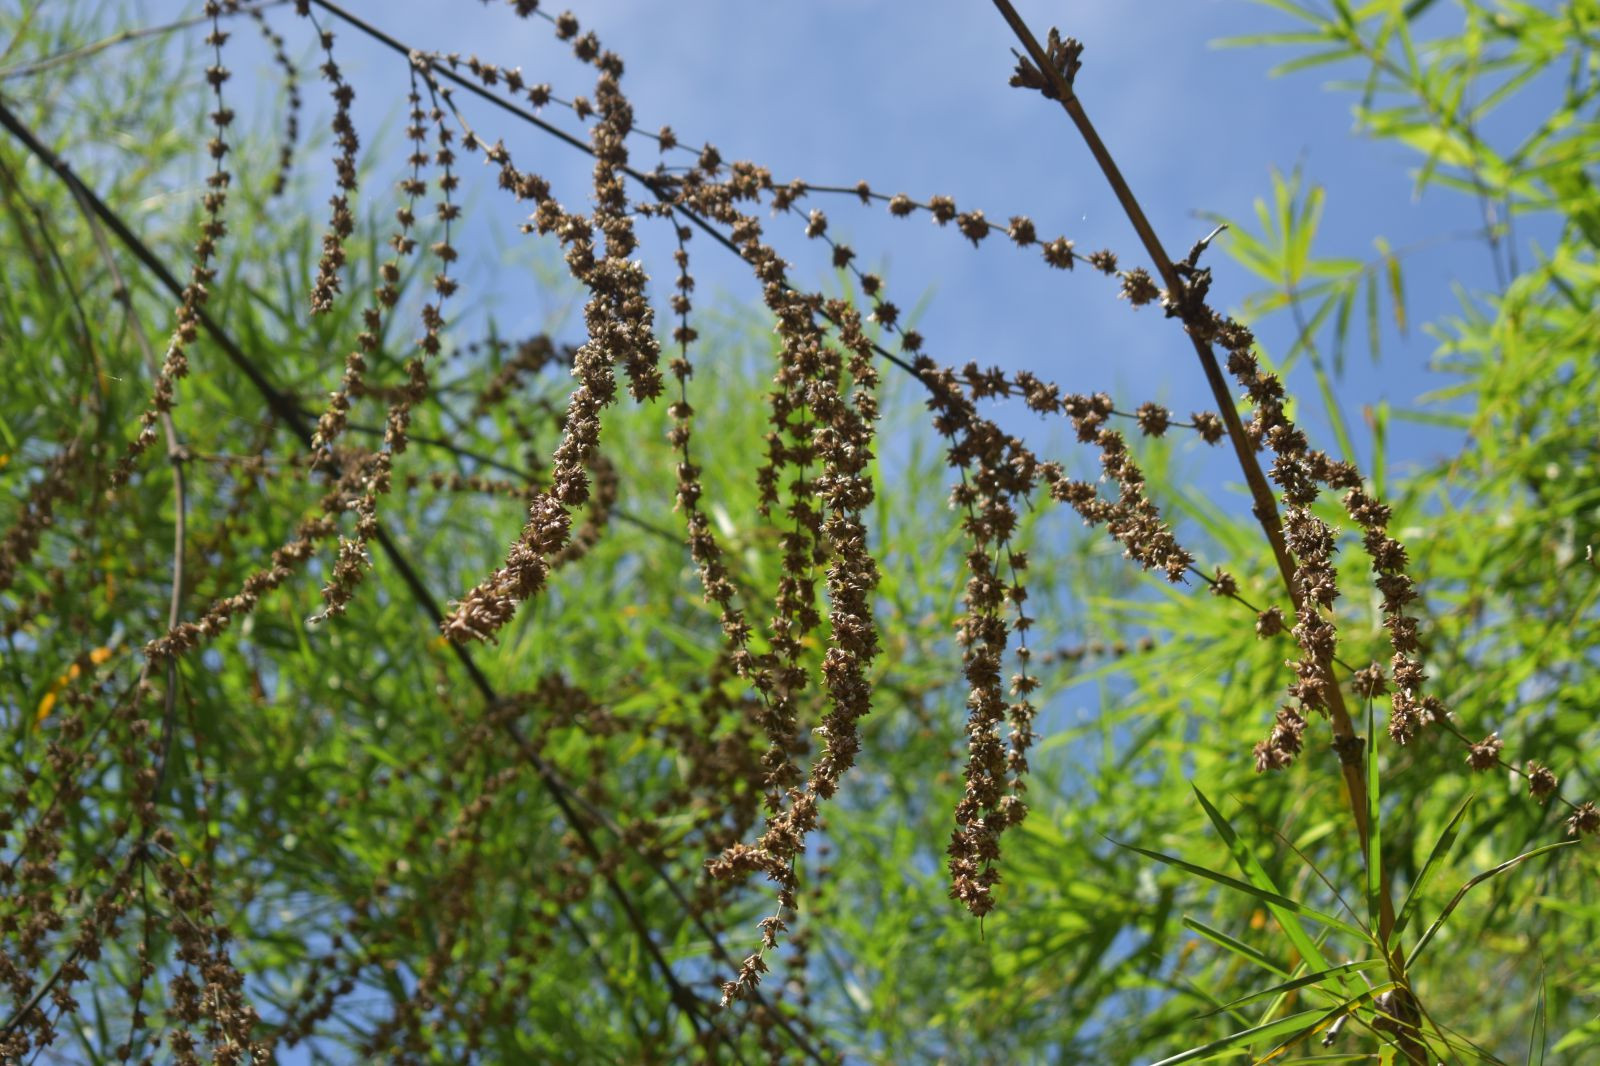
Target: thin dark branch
(1265, 505)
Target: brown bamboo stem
(1264, 504)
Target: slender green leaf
(1325, 1020)
(1259, 1034)
(1236, 946)
(1305, 981)
(1374, 856)
(1437, 854)
(1272, 899)
(1449, 909)
(1538, 1037)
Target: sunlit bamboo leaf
(1455, 900)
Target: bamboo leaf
(1272, 899)
(1449, 909)
(1374, 854)
(1437, 854)
(1538, 1037)
(1264, 1032)
(1341, 326)
(1396, 288)
(1263, 40)
(1374, 339)
(1252, 869)
(1306, 981)
(1237, 947)
(1325, 1020)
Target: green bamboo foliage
(727, 683)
